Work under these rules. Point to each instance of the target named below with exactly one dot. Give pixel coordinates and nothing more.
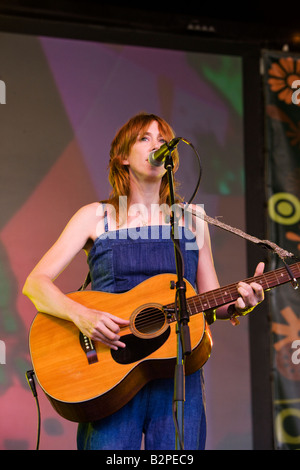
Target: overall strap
(105, 218)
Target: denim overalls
(118, 261)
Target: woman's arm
(250, 294)
(48, 298)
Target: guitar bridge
(88, 347)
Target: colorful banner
(282, 110)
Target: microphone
(157, 157)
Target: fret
(214, 300)
(227, 296)
(206, 303)
(277, 277)
(266, 282)
(283, 276)
(294, 268)
(194, 310)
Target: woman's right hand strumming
(101, 326)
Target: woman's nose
(157, 145)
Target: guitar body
(85, 388)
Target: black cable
(31, 383)
(174, 409)
(200, 168)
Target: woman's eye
(146, 138)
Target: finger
(103, 327)
(259, 269)
(251, 294)
(245, 291)
(103, 337)
(114, 345)
(240, 304)
(248, 297)
(112, 322)
(118, 320)
(259, 292)
(109, 329)
(111, 344)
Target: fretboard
(225, 295)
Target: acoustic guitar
(86, 381)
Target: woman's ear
(125, 161)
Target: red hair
(120, 149)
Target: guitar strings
(213, 298)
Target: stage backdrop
(282, 79)
(65, 99)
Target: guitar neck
(216, 298)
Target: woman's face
(137, 160)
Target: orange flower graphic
(294, 237)
(287, 332)
(283, 74)
(294, 129)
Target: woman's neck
(145, 194)
(143, 205)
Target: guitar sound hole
(149, 321)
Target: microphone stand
(182, 315)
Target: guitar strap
(264, 243)
(86, 282)
(210, 220)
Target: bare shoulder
(88, 218)
(88, 213)
(89, 210)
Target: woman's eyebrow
(146, 133)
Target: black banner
(282, 111)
